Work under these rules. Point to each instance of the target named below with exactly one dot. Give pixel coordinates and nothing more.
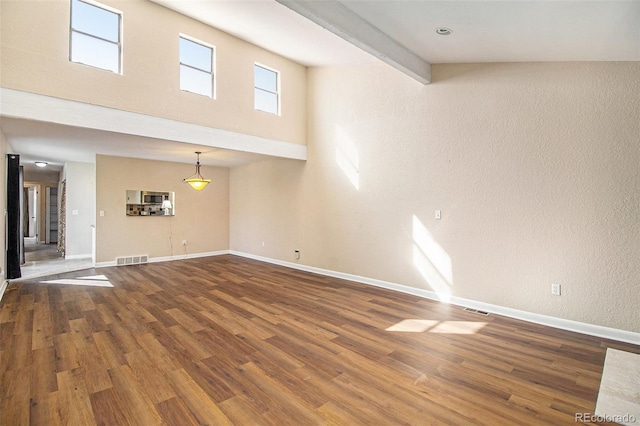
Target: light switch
(438, 214)
(102, 213)
(74, 212)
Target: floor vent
(132, 260)
(475, 311)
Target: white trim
(102, 6)
(561, 323)
(167, 258)
(120, 35)
(3, 288)
(31, 106)
(277, 92)
(77, 256)
(213, 73)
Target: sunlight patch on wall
(430, 259)
(347, 158)
(91, 281)
(434, 326)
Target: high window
(197, 67)
(95, 36)
(267, 89)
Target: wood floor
(227, 340)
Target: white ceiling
(483, 31)
(510, 31)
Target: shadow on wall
(430, 259)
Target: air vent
(475, 311)
(132, 260)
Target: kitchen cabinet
(134, 197)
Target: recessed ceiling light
(443, 31)
(41, 164)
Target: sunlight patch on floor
(91, 281)
(434, 326)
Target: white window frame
(278, 91)
(213, 72)
(119, 43)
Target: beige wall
(35, 52)
(534, 167)
(202, 217)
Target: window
(196, 67)
(95, 36)
(267, 89)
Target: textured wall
(534, 167)
(35, 58)
(202, 217)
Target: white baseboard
(3, 288)
(77, 256)
(187, 256)
(167, 258)
(564, 324)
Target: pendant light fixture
(196, 180)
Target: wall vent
(475, 311)
(132, 260)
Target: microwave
(152, 197)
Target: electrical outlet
(555, 289)
(184, 242)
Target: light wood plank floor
(227, 340)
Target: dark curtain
(23, 210)
(13, 227)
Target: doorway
(39, 223)
(30, 214)
(43, 217)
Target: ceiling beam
(343, 22)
